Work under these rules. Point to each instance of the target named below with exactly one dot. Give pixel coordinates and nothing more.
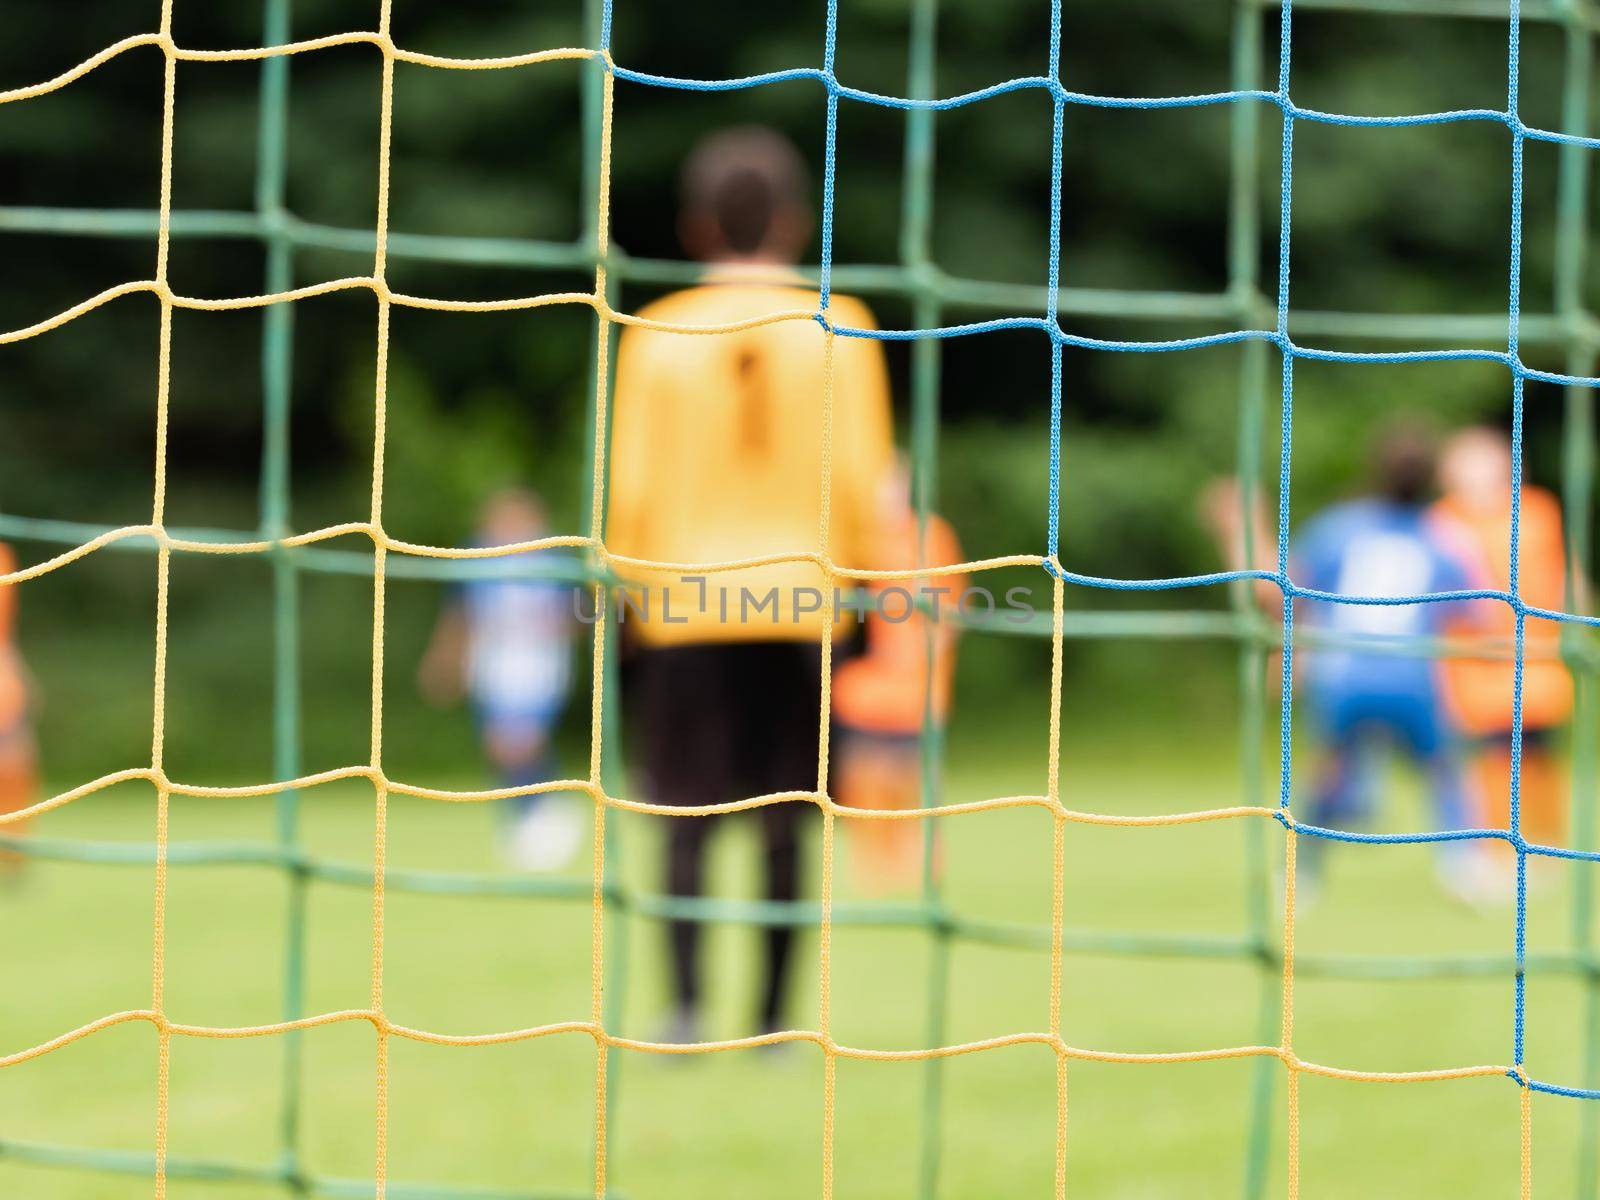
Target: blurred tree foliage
(1385, 220)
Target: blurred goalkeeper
(717, 455)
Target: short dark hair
(1404, 463)
(743, 177)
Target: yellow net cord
(383, 786)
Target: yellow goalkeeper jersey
(716, 454)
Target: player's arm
(1222, 508)
(944, 550)
(1462, 569)
(8, 592)
(1556, 553)
(863, 427)
(628, 484)
(442, 673)
(572, 588)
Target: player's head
(744, 198)
(1475, 468)
(512, 514)
(1403, 464)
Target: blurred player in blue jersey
(505, 642)
(1361, 703)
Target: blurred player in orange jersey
(1475, 481)
(882, 697)
(18, 754)
(717, 455)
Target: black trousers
(720, 722)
